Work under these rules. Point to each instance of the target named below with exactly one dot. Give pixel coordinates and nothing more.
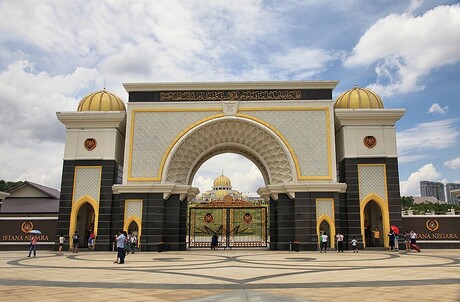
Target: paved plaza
(232, 275)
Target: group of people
(409, 240)
(34, 242)
(126, 243)
(323, 238)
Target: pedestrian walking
(75, 239)
(61, 243)
(120, 239)
(396, 241)
(324, 239)
(33, 245)
(391, 236)
(214, 242)
(133, 242)
(354, 244)
(407, 240)
(91, 238)
(376, 237)
(339, 242)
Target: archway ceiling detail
(229, 132)
(236, 149)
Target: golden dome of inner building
(222, 182)
(358, 98)
(101, 101)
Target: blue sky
(53, 53)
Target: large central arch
(230, 134)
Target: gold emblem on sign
(370, 141)
(27, 226)
(90, 144)
(432, 225)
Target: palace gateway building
(328, 165)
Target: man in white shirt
(121, 238)
(339, 242)
(324, 242)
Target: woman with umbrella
(33, 242)
(391, 236)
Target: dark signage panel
(230, 95)
(16, 230)
(434, 231)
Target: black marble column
(349, 201)
(285, 222)
(111, 174)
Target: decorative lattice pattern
(87, 183)
(153, 133)
(229, 132)
(133, 208)
(372, 181)
(306, 132)
(324, 207)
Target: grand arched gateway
(325, 164)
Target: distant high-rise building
(439, 190)
(451, 198)
(431, 188)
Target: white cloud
(415, 4)
(303, 62)
(41, 163)
(426, 137)
(436, 108)
(32, 139)
(30, 99)
(204, 184)
(411, 186)
(152, 40)
(407, 47)
(453, 164)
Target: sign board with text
(434, 231)
(14, 231)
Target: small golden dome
(101, 101)
(222, 182)
(358, 98)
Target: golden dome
(222, 182)
(101, 101)
(358, 98)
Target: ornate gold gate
(237, 223)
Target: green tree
(5, 185)
(406, 202)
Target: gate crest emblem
(208, 218)
(247, 217)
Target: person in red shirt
(33, 245)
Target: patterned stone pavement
(232, 275)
